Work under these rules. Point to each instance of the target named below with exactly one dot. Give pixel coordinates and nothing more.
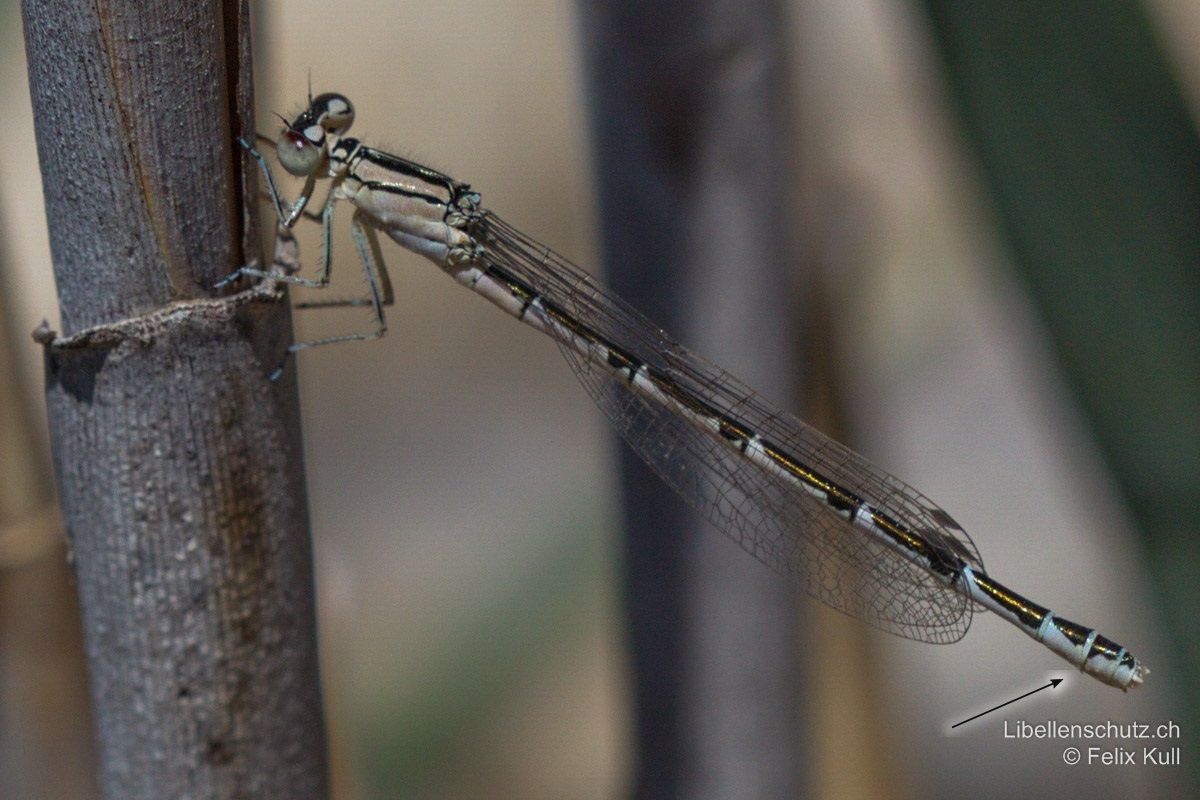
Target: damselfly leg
(379, 286)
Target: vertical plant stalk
(178, 464)
(690, 127)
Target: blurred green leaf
(1093, 162)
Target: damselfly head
(301, 146)
(299, 151)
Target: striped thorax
(422, 209)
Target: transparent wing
(768, 514)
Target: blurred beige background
(461, 483)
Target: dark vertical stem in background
(1094, 164)
(690, 121)
(178, 465)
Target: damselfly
(842, 530)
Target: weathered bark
(690, 123)
(178, 464)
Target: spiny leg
(380, 286)
(378, 283)
(273, 193)
(322, 279)
(370, 256)
(287, 220)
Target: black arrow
(1053, 682)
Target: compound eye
(334, 111)
(298, 154)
